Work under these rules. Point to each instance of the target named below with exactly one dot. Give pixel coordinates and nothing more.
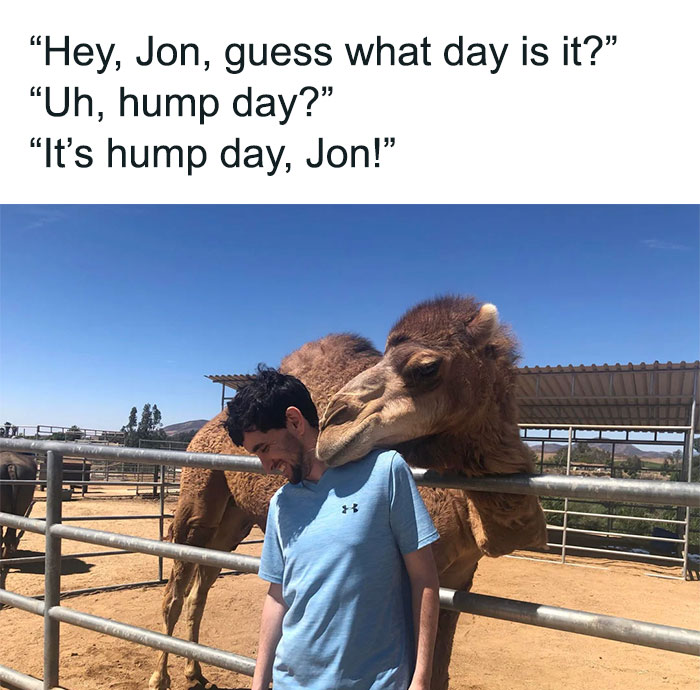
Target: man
(353, 596)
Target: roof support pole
(566, 500)
(688, 461)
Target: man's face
(279, 450)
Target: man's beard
(300, 468)
(296, 474)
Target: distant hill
(627, 450)
(184, 427)
(623, 450)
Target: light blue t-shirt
(336, 548)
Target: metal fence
(48, 432)
(609, 627)
(610, 525)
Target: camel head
(448, 369)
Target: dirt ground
(488, 653)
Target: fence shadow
(69, 566)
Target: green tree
(71, 434)
(130, 437)
(632, 465)
(560, 456)
(157, 430)
(146, 424)
(149, 427)
(156, 417)
(74, 433)
(131, 426)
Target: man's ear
(296, 423)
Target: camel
(443, 396)
(458, 368)
(15, 499)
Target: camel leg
(234, 528)
(197, 519)
(8, 541)
(205, 577)
(173, 599)
(4, 553)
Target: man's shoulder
(387, 458)
(282, 491)
(384, 462)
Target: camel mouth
(340, 444)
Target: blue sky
(105, 307)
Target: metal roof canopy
(650, 395)
(234, 381)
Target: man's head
(274, 418)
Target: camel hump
(213, 438)
(327, 364)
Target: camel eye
(422, 371)
(429, 368)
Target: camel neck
(463, 454)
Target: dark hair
(262, 404)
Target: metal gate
(609, 627)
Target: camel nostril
(336, 416)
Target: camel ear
(484, 325)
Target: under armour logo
(353, 507)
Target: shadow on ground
(69, 566)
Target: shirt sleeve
(410, 522)
(272, 558)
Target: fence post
(566, 500)
(52, 574)
(161, 519)
(688, 457)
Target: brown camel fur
(443, 395)
(15, 499)
(210, 515)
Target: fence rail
(660, 493)
(596, 625)
(636, 632)
(612, 436)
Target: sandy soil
(488, 653)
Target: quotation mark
(36, 91)
(325, 91)
(36, 142)
(387, 143)
(36, 41)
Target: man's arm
(423, 575)
(270, 633)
